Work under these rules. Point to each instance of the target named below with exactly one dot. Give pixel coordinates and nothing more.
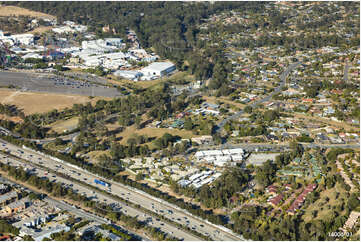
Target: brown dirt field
(17, 11)
(14, 119)
(40, 30)
(31, 102)
(61, 125)
(95, 154)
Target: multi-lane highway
(99, 197)
(60, 204)
(136, 197)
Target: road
(136, 197)
(79, 212)
(73, 210)
(99, 197)
(345, 74)
(280, 147)
(278, 89)
(69, 137)
(50, 83)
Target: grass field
(321, 203)
(31, 102)
(64, 125)
(150, 132)
(93, 155)
(17, 11)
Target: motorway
(99, 197)
(63, 206)
(50, 83)
(136, 197)
(278, 89)
(66, 207)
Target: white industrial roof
(212, 152)
(199, 154)
(223, 158)
(125, 72)
(237, 157)
(159, 66)
(209, 158)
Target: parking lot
(50, 83)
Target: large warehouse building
(158, 69)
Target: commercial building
(45, 232)
(131, 75)
(90, 230)
(158, 69)
(220, 157)
(17, 206)
(8, 198)
(17, 39)
(25, 39)
(32, 221)
(199, 179)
